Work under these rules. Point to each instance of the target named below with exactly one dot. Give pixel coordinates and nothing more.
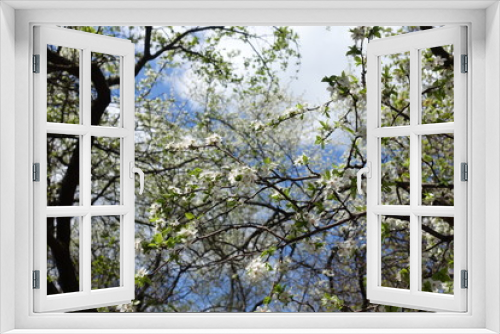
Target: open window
(98, 222)
(416, 200)
(418, 147)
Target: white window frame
(483, 130)
(414, 297)
(86, 297)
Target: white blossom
(175, 190)
(188, 232)
(125, 308)
(138, 242)
(346, 247)
(331, 185)
(142, 272)
(263, 309)
(210, 175)
(257, 125)
(214, 139)
(344, 81)
(348, 173)
(244, 175)
(439, 61)
(328, 272)
(184, 144)
(267, 168)
(154, 208)
(173, 222)
(302, 160)
(256, 270)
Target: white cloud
(323, 53)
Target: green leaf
(270, 251)
(405, 274)
(278, 289)
(158, 238)
(442, 275)
(330, 79)
(353, 51)
(195, 172)
(189, 215)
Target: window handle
(137, 170)
(365, 170)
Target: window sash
(86, 297)
(414, 298)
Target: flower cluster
(213, 140)
(346, 247)
(332, 184)
(256, 270)
(257, 126)
(141, 272)
(154, 209)
(302, 160)
(438, 61)
(188, 232)
(186, 143)
(244, 175)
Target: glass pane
(105, 112)
(395, 170)
(437, 169)
(63, 255)
(63, 84)
(395, 89)
(105, 252)
(105, 171)
(437, 254)
(437, 84)
(63, 170)
(395, 237)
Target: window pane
(104, 111)
(437, 84)
(395, 170)
(395, 89)
(437, 254)
(105, 171)
(105, 252)
(63, 170)
(395, 241)
(437, 169)
(63, 84)
(63, 255)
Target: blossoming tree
(250, 201)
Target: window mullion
(86, 174)
(415, 270)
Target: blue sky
(323, 53)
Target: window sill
(250, 331)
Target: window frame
(415, 210)
(86, 44)
(483, 47)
